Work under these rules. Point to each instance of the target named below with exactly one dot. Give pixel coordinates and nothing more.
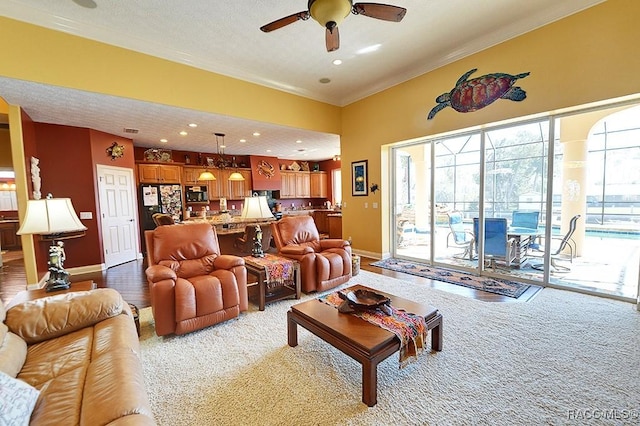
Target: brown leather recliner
(324, 264)
(192, 285)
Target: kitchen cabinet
(303, 182)
(288, 184)
(222, 187)
(335, 226)
(239, 189)
(321, 220)
(318, 185)
(8, 238)
(190, 176)
(295, 184)
(159, 173)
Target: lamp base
(57, 285)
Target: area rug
(491, 285)
(552, 360)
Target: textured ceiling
(224, 37)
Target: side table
(260, 272)
(26, 295)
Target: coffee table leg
(292, 331)
(436, 336)
(369, 383)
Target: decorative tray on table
(363, 300)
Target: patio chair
(461, 237)
(524, 221)
(558, 255)
(497, 244)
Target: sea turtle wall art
(477, 93)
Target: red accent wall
(68, 159)
(261, 182)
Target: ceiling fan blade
(279, 23)
(386, 12)
(332, 38)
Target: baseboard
(72, 271)
(87, 269)
(365, 253)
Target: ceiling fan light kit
(330, 13)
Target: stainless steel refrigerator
(159, 198)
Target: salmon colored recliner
(192, 285)
(324, 264)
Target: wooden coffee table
(365, 342)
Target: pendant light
(206, 175)
(221, 162)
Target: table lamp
(51, 217)
(256, 208)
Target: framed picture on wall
(359, 178)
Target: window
(336, 186)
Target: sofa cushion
(17, 400)
(13, 351)
(42, 319)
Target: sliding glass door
(515, 188)
(457, 194)
(412, 217)
(553, 202)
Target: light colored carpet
(560, 356)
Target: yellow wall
(51, 57)
(588, 57)
(581, 59)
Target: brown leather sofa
(324, 264)
(80, 350)
(192, 285)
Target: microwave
(196, 194)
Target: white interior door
(118, 214)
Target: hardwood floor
(129, 279)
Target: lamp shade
(206, 175)
(236, 176)
(256, 208)
(50, 216)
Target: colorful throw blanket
(279, 270)
(410, 328)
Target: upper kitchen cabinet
(303, 183)
(239, 189)
(190, 175)
(318, 187)
(222, 187)
(288, 184)
(159, 173)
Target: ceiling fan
(330, 13)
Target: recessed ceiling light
(223, 146)
(325, 80)
(268, 150)
(164, 140)
(368, 49)
(183, 133)
(298, 141)
(337, 62)
(256, 133)
(243, 140)
(193, 125)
